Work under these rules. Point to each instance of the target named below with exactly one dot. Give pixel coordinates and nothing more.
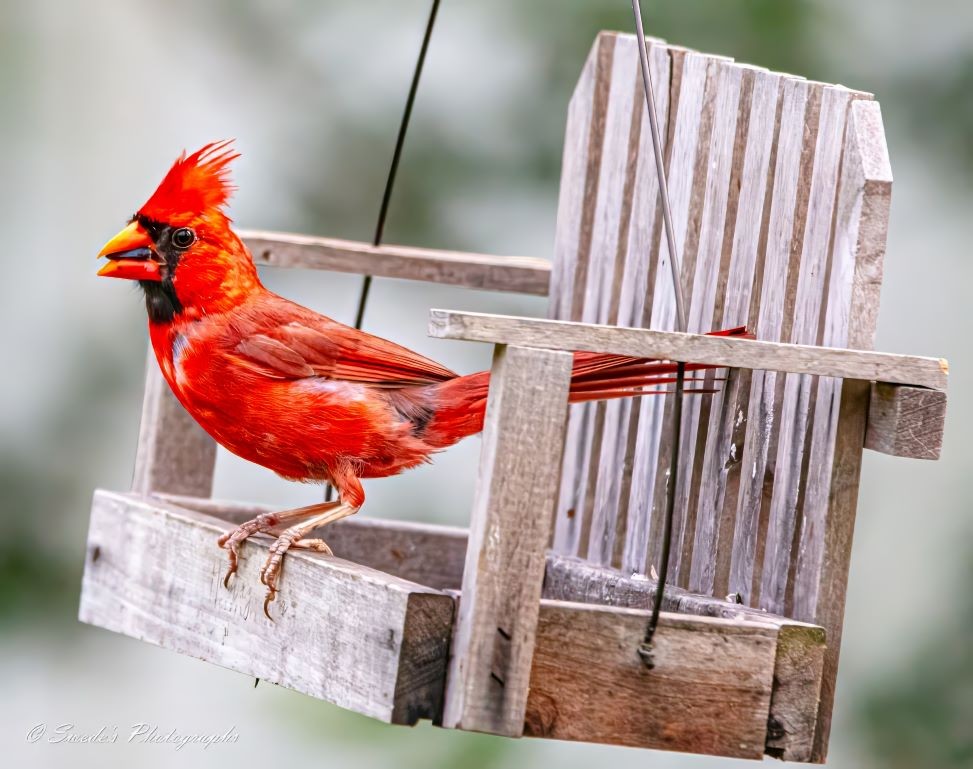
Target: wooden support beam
(522, 274)
(696, 348)
(424, 553)
(801, 647)
(342, 632)
(906, 421)
(708, 693)
(510, 527)
(174, 455)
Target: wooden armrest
(697, 348)
(522, 274)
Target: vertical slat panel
(175, 455)
(795, 145)
(692, 70)
(796, 403)
(717, 195)
(576, 206)
(611, 208)
(510, 526)
(727, 411)
(831, 497)
(629, 297)
(689, 253)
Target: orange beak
(130, 255)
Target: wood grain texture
(343, 632)
(708, 693)
(510, 526)
(580, 174)
(672, 345)
(798, 673)
(424, 553)
(811, 302)
(906, 421)
(521, 274)
(723, 450)
(174, 453)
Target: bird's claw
(232, 540)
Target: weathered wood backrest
(780, 190)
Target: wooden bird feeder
(529, 622)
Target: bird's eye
(183, 237)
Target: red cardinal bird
(285, 387)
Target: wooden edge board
(906, 421)
(709, 691)
(522, 274)
(342, 632)
(800, 646)
(697, 348)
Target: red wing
(324, 348)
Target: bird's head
(179, 245)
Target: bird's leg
(265, 523)
(295, 537)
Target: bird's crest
(195, 185)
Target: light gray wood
(723, 451)
(794, 415)
(824, 549)
(788, 211)
(174, 453)
(718, 195)
(510, 527)
(423, 553)
(672, 345)
(691, 72)
(572, 246)
(521, 274)
(612, 207)
(906, 421)
(345, 633)
(708, 693)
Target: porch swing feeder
(547, 618)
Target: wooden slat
(719, 195)
(521, 274)
(831, 496)
(342, 632)
(174, 454)
(728, 410)
(672, 345)
(794, 416)
(906, 421)
(510, 526)
(572, 245)
(588, 683)
(424, 553)
(606, 264)
(641, 254)
(800, 647)
(788, 212)
(688, 79)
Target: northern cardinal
(285, 387)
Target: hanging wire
(383, 210)
(645, 649)
(396, 156)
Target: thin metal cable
(383, 210)
(645, 648)
(396, 156)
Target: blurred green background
(99, 97)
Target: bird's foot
(265, 523)
(270, 573)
